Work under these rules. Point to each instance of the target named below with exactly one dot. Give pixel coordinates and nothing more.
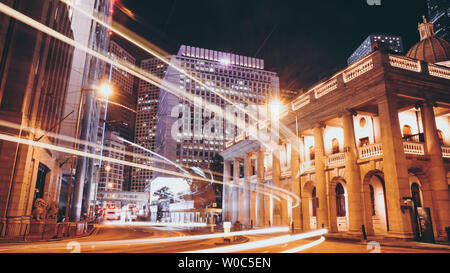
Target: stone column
(321, 183)
(295, 182)
(436, 171)
(268, 209)
(226, 190)
(261, 220)
(253, 196)
(352, 175)
(246, 189)
(280, 208)
(236, 174)
(395, 168)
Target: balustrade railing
(336, 159)
(325, 88)
(403, 63)
(413, 148)
(440, 72)
(370, 151)
(358, 70)
(446, 151)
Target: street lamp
(105, 90)
(276, 107)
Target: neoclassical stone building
(368, 148)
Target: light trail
(120, 64)
(80, 153)
(165, 159)
(152, 240)
(262, 243)
(303, 247)
(108, 159)
(159, 224)
(70, 140)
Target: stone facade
(34, 79)
(367, 147)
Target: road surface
(144, 239)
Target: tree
(164, 193)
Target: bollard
(364, 232)
(25, 233)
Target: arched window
(335, 146)
(312, 154)
(415, 192)
(372, 200)
(314, 202)
(340, 200)
(441, 137)
(406, 131)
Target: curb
(404, 244)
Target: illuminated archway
(310, 205)
(375, 203)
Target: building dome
(430, 49)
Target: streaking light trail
(303, 247)
(155, 240)
(262, 243)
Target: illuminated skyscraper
(439, 13)
(192, 134)
(395, 45)
(146, 118)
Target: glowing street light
(105, 89)
(276, 107)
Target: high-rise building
(120, 114)
(200, 110)
(112, 173)
(34, 80)
(146, 118)
(120, 118)
(439, 13)
(395, 45)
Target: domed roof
(432, 49)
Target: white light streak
(262, 243)
(303, 247)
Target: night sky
(303, 41)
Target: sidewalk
(392, 242)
